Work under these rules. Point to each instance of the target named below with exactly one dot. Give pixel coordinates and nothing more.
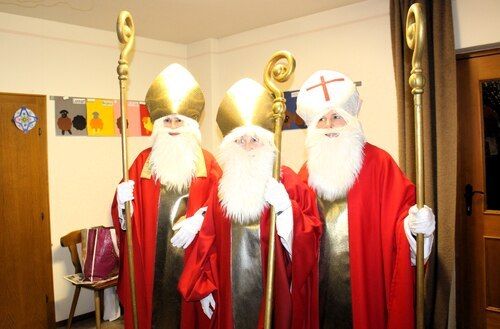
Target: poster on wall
(292, 120)
(71, 116)
(146, 124)
(133, 118)
(77, 116)
(100, 117)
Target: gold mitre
(245, 103)
(175, 91)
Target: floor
(90, 324)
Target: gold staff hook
(280, 72)
(415, 37)
(126, 35)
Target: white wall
(476, 23)
(50, 58)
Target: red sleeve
(382, 279)
(400, 195)
(307, 232)
(199, 277)
(146, 193)
(199, 193)
(300, 308)
(200, 190)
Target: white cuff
(121, 215)
(284, 228)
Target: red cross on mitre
(323, 84)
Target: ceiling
(179, 21)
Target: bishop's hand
(277, 196)
(124, 193)
(208, 305)
(420, 221)
(187, 229)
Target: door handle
(469, 192)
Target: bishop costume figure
(169, 186)
(226, 272)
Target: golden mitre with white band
(175, 91)
(246, 103)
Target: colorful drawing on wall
(292, 120)
(71, 116)
(64, 122)
(25, 119)
(146, 124)
(133, 118)
(100, 117)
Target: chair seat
(77, 279)
(100, 285)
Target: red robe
(208, 270)
(144, 225)
(382, 278)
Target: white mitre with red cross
(325, 91)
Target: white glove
(206, 303)
(124, 193)
(420, 221)
(277, 196)
(187, 229)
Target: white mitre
(324, 91)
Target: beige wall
(476, 23)
(49, 58)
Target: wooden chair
(72, 240)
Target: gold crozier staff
(279, 72)
(415, 37)
(126, 35)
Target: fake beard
(334, 162)
(173, 158)
(243, 182)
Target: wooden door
(478, 215)
(26, 286)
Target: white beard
(244, 179)
(334, 162)
(173, 158)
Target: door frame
(469, 229)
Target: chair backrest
(72, 240)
